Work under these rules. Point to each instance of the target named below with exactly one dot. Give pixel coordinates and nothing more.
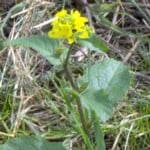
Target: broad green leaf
(95, 100)
(31, 143)
(108, 81)
(93, 43)
(49, 48)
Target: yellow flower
(85, 33)
(62, 13)
(70, 26)
(79, 21)
(61, 31)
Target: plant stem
(74, 86)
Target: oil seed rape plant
(101, 85)
(70, 26)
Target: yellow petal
(70, 40)
(74, 14)
(66, 30)
(61, 13)
(84, 35)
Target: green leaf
(104, 7)
(107, 23)
(1, 45)
(99, 136)
(141, 10)
(47, 47)
(93, 43)
(31, 143)
(108, 81)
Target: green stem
(74, 86)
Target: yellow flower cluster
(70, 26)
